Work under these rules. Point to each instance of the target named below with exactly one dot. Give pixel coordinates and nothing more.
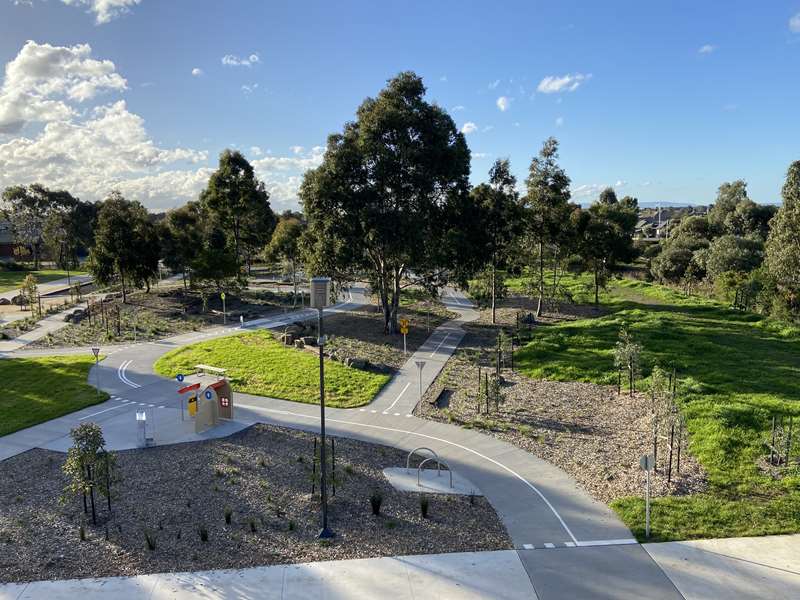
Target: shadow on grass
(40, 389)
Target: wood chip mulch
(588, 430)
(263, 474)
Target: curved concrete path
(548, 516)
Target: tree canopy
(391, 188)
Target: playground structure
(208, 406)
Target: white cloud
(282, 176)
(256, 150)
(88, 151)
(296, 149)
(588, 190)
(231, 60)
(469, 127)
(706, 49)
(249, 89)
(197, 72)
(565, 83)
(559, 121)
(458, 107)
(794, 23)
(494, 84)
(503, 103)
(301, 161)
(43, 82)
(104, 10)
(487, 128)
(480, 155)
(443, 78)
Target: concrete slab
(608, 572)
(767, 567)
(457, 576)
(432, 481)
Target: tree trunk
(596, 289)
(294, 282)
(124, 291)
(494, 293)
(541, 279)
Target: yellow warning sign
(192, 404)
(404, 330)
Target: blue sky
(664, 100)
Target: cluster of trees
(749, 252)
(50, 222)
(391, 202)
(213, 240)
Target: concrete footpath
(736, 568)
(457, 576)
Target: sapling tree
(30, 290)
(627, 356)
(659, 403)
(89, 466)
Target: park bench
(201, 370)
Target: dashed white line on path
(400, 395)
(439, 346)
(101, 412)
(462, 447)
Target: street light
(320, 298)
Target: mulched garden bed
(263, 474)
(594, 434)
(165, 311)
(359, 334)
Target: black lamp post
(320, 298)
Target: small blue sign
(180, 377)
(208, 394)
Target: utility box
(320, 292)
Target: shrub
(150, 539)
(375, 500)
(203, 531)
(253, 525)
(228, 515)
(424, 502)
(82, 533)
(291, 526)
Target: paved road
(563, 536)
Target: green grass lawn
(40, 389)
(258, 364)
(11, 280)
(735, 369)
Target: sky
(663, 101)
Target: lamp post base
(326, 534)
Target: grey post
(420, 365)
(646, 463)
(320, 298)
(96, 352)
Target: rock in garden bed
(261, 476)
